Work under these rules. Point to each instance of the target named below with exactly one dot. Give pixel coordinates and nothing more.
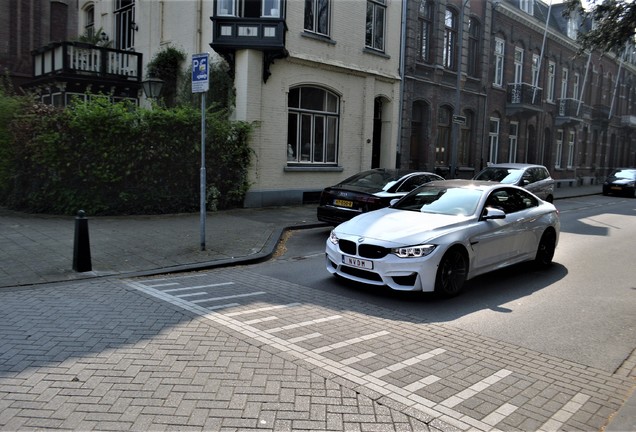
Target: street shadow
(486, 292)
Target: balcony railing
(230, 32)
(569, 111)
(76, 59)
(628, 121)
(523, 97)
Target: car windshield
(500, 174)
(373, 179)
(624, 174)
(441, 199)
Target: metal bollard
(81, 247)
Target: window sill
(318, 37)
(312, 168)
(372, 51)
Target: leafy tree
(166, 65)
(221, 94)
(614, 24)
(95, 38)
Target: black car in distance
(367, 191)
(621, 181)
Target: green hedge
(116, 158)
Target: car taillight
(370, 202)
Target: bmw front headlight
(333, 238)
(414, 251)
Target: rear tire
(545, 251)
(451, 273)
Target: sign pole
(203, 176)
(200, 84)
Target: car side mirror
(493, 213)
(393, 201)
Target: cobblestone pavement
(234, 350)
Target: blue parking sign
(200, 72)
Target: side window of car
(520, 200)
(498, 200)
(412, 182)
(530, 175)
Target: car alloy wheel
(451, 273)
(545, 251)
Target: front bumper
(400, 274)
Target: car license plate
(616, 188)
(357, 262)
(343, 203)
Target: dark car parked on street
(366, 191)
(621, 181)
(535, 178)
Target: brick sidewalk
(141, 354)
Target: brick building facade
(524, 92)
(28, 25)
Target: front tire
(545, 251)
(451, 273)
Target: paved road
(114, 353)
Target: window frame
(315, 14)
(551, 81)
(499, 54)
(306, 120)
(527, 6)
(473, 68)
(493, 139)
(426, 13)
(373, 40)
(513, 141)
(518, 59)
(559, 148)
(124, 15)
(571, 142)
(451, 31)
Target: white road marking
(442, 411)
(197, 287)
(350, 342)
(262, 309)
(563, 415)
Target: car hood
(399, 227)
(619, 181)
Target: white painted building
(324, 95)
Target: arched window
(450, 39)
(312, 126)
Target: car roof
(514, 165)
(472, 184)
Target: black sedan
(366, 191)
(621, 182)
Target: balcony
(77, 67)
(231, 33)
(628, 121)
(523, 100)
(600, 116)
(569, 112)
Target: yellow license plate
(343, 203)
